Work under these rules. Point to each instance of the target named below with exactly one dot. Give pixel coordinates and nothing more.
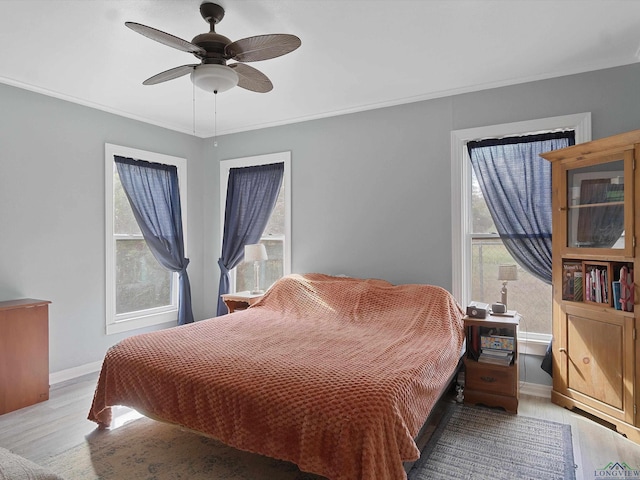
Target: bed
(335, 374)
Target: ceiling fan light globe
(214, 78)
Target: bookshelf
(594, 257)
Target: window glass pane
(124, 222)
(270, 270)
(528, 295)
(276, 221)
(481, 221)
(141, 282)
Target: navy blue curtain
(154, 196)
(251, 196)
(516, 184)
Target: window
(478, 251)
(139, 291)
(528, 294)
(277, 234)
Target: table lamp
(255, 253)
(506, 273)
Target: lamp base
(503, 294)
(257, 292)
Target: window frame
(461, 228)
(279, 157)
(118, 323)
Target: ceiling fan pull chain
(193, 95)
(215, 118)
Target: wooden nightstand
(240, 300)
(493, 384)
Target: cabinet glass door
(596, 206)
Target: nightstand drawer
(487, 378)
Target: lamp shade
(255, 253)
(507, 272)
(214, 78)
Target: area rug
(145, 449)
(483, 444)
(469, 443)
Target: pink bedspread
(334, 374)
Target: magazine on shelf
(572, 281)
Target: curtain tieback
(183, 270)
(222, 266)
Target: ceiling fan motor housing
(214, 44)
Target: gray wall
(52, 242)
(371, 191)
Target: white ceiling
(355, 54)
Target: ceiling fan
(212, 73)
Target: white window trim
(143, 318)
(461, 196)
(280, 157)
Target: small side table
(240, 300)
(491, 384)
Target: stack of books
(597, 285)
(496, 357)
(496, 349)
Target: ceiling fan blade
(251, 78)
(165, 38)
(262, 47)
(169, 74)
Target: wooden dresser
(24, 353)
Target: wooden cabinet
(24, 353)
(492, 384)
(595, 229)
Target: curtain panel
(154, 195)
(251, 196)
(516, 184)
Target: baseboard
(535, 390)
(75, 372)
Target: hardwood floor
(49, 428)
(594, 444)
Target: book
(497, 342)
(616, 295)
(577, 286)
(626, 289)
(496, 353)
(505, 361)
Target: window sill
(129, 324)
(533, 343)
